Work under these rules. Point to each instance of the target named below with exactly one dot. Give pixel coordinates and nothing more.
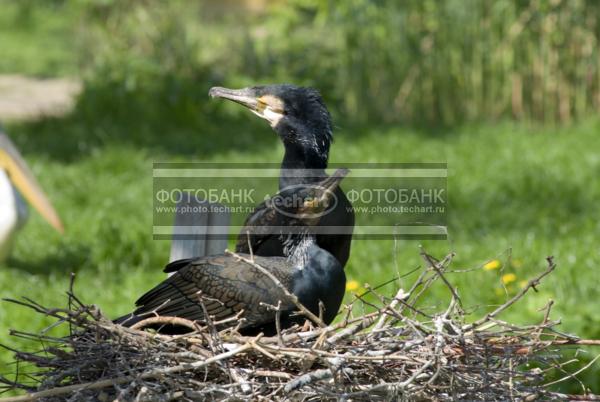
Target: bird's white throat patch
(297, 252)
(270, 115)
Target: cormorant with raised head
(227, 285)
(303, 123)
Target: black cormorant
(227, 285)
(303, 123)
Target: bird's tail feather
(128, 320)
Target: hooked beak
(22, 178)
(245, 96)
(324, 195)
(267, 107)
(331, 183)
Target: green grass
(38, 38)
(514, 190)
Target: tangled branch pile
(399, 351)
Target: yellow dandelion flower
(352, 285)
(508, 278)
(522, 284)
(516, 263)
(491, 265)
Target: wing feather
(225, 285)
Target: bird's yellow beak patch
(270, 108)
(272, 102)
(312, 203)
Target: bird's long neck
(298, 249)
(299, 157)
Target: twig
(530, 285)
(250, 251)
(423, 355)
(580, 342)
(308, 378)
(350, 331)
(572, 375)
(164, 320)
(400, 295)
(293, 298)
(154, 373)
(270, 373)
(439, 267)
(278, 323)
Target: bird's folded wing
(222, 286)
(256, 228)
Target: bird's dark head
(297, 114)
(305, 204)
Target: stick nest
(399, 351)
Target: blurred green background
(506, 92)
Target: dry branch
(395, 352)
(292, 297)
